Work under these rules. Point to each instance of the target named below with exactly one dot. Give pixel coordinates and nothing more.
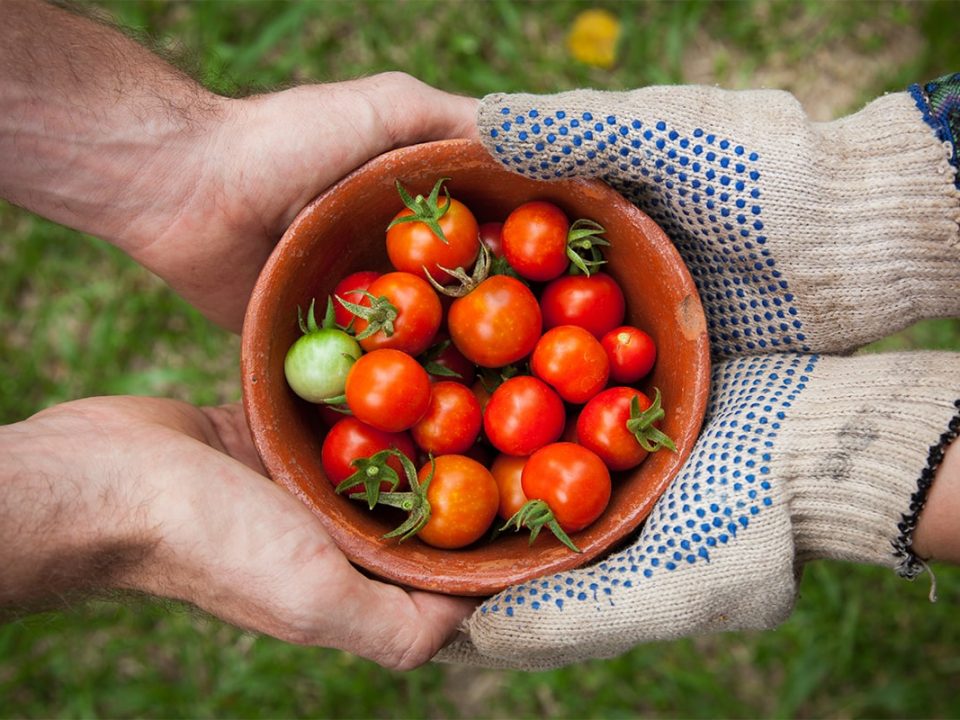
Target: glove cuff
(865, 442)
(939, 102)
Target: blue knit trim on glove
(702, 188)
(724, 487)
(939, 102)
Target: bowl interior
(342, 231)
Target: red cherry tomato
(350, 439)
(417, 314)
(507, 471)
(463, 500)
(572, 362)
(497, 323)
(351, 289)
(595, 303)
(632, 353)
(491, 237)
(388, 389)
(571, 480)
(535, 240)
(413, 246)
(452, 421)
(602, 427)
(523, 414)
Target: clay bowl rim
(451, 572)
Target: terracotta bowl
(343, 231)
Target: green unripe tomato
(317, 364)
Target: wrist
(864, 440)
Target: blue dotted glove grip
(703, 189)
(723, 489)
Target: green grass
(78, 319)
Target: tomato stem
(640, 425)
(380, 314)
(535, 515)
(425, 209)
(414, 502)
(429, 360)
(370, 473)
(583, 246)
(466, 283)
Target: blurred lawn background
(77, 318)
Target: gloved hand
(805, 237)
(802, 237)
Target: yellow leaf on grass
(593, 38)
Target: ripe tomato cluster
(489, 373)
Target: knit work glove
(802, 457)
(806, 237)
(802, 237)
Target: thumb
(410, 111)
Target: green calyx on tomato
(414, 501)
(641, 425)
(309, 324)
(535, 515)
(317, 364)
(583, 246)
(371, 472)
(380, 314)
(427, 210)
(430, 361)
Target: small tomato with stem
(620, 425)
(399, 311)
(432, 234)
(347, 455)
(351, 288)
(452, 502)
(317, 364)
(568, 488)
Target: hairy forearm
(91, 119)
(63, 534)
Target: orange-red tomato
(452, 421)
(602, 427)
(350, 439)
(418, 313)
(595, 303)
(535, 240)
(463, 500)
(573, 482)
(497, 323)
(523, 414)
(351, 289)
(632, 353)
(388, 389)
(413, 246)
(572, 361)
